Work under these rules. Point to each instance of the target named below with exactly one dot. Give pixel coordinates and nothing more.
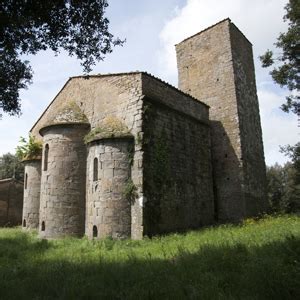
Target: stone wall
(109, 188)
(62, 204)
(249, 121)
(11, 202)
(32, 188)
(178, 190)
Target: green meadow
(258, 259)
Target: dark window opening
(46, 153)
(43, 226)
(95, 231)
(95, 174)
(226, 155)
(26, 179)
(24, 223)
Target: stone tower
(216, 66)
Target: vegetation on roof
(31, 149)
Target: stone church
(127, 155)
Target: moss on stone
(111, 127)
(70, 113)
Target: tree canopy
(28, 26)
(11, 167)
(286, 71)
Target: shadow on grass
(225, 272)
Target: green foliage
(11, 167)
(130, 191)
(283, 190)
(287, 72)
(29, 150)
(78, 27)
(255, 260)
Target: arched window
(24, 223)
(95, 172)
(43, 226)
(26, 179)
(46, 153)
(95, 231)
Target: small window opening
(95, 175)
(24, 223)
(46, 153)
(226, 155)
(26, 179)
(95, 231)
(43, 226)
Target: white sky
(151, 29)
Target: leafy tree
(11, 167)
(28, 26)
(283, 189)
(286, 72)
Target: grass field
(255, 260)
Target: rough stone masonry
(128, 155)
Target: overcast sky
(151, 29)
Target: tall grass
(255, 260)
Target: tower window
(46, 153)
(26, 179)
(43, 226)
(95, 231)
(95, 172)
(24, 223)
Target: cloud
(261, 21)
(279, 128)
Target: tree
(28, 26)
(283, 190)
(11, 167)
(286, 72)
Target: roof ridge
(227, 19)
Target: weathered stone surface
(177, 171)
(32, 187)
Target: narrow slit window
(26, 179)
(46, 153)
(43, 226)
(95, 231)
(24, 223)
(95, 174)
